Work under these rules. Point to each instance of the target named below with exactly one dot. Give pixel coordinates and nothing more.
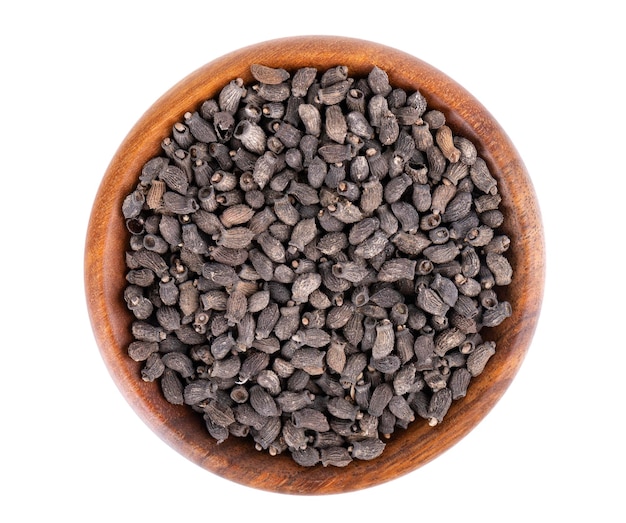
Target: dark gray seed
(172, 387)
(335, 456)
(367, 449)
(381, 396)
(311, 419)
(439, 405)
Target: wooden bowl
(236, 459)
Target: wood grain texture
(236, 459)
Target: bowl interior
(236, 459)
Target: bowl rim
(406, 451)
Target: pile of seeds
(311, 262)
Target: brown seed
(264, 168)
(434, 118)
(334, 75)
(175, 178)
(335, 153)
(193, 240)
(294, 437)
(198, 391)
(387, 365)
(288, 134)
(262, 264)
(314, 319)
(404, 380)
(360, 231)
(498, 244)
(437, 163)
(339, 315)
(154, 197)
(309, 359)
(150, 260)
(441, 196)
(206, 221)
(231, 93)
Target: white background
(77, 76)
